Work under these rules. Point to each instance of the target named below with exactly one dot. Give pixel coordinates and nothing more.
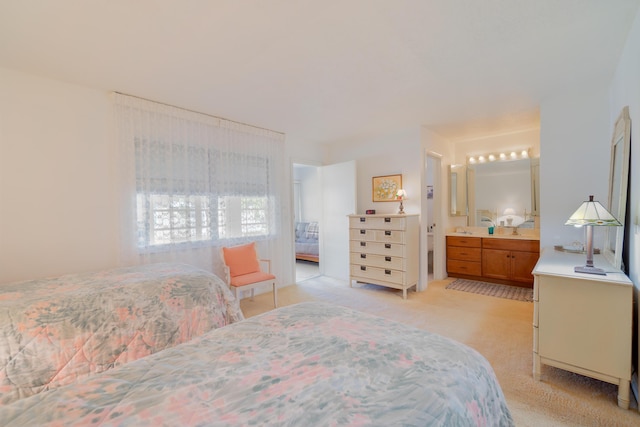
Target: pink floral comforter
(55, 331)
(311, 364)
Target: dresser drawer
(464, 267)
(382, 261)
(391, 236)
(377, 274)
(467, 242)
(511, 245)
(381, 223)
(464, 254)
(377, 248)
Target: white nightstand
(583, 322)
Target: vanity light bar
(502, 156)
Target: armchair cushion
(241, 259)
(251, 278)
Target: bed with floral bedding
(55, 331)
(310, 364)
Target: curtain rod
(199, 112)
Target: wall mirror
(458, 190)
(504, 193)
(618, 182)
(494, 188)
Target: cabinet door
(522, 265)
(496, 263)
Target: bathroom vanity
(498, 258)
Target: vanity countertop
(500, 233)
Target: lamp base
(589, 270)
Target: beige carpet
(500, 329)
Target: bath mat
(492, 289)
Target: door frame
(438, 231)
(316, 165)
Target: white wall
(390, 154)
(575, 141)
(57, 209)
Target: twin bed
(191, 359)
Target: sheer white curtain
(192, 183)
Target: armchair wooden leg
(275, 296)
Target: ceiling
(332, 70)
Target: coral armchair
(243, 272)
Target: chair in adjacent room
(243, 272)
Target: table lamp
(591, 213)
(401, 194)
(509, 212)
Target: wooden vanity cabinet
(464, 256)
(498, 260)
(510, 260)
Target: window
(167, 219)
(164, 219)
(197, 181)
(242, 217)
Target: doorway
(307, 209)
(323, 196)
(433, 206)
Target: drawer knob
(387, 220)
(363, 255)
(387, 272)
(387, 233)
(362, 219)
(387, 246)
(363, 231)
(387, 258)
(363, 243)
(363, 268)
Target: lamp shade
(592, 212)
(509, 211)
(401, 194)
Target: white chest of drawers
(384, 250)
(583, 322)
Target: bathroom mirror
(618, 182)
(458, 190)
(502, 193)
(491, 188)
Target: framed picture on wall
(429, 191)
(386, 187)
